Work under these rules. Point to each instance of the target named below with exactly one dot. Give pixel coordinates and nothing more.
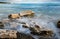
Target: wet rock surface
(12, 34)
(23, 36)
(1, 25)
(28, 13)
(25, 26)
(8, 33)
(46, 33)
(35, 31)
(13, 16)
(58, 24)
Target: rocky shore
(26, 26)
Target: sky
(29, 1)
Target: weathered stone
(43, 34)
(8, 33)
(14, 16)
(1, 25)
(46, 33)
(37, 26)
(35, 33)
(26, 13)
(25, 26)
(12, 34)
(35, 30)
(46, 38)
(24, 36)
(58, 24)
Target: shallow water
(45, 16)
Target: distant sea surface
(51, 9)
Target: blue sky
(29, 1)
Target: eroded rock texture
(8, 33)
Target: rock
(58, 24)
(24, 36)
(26, 13)
(37, 26)
(25, 26)
(8, 33)
(35, 33)
(46, 33)
(35, 30)
(14, 16)
(1, 25)
(12, 34)
(46, 38)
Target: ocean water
(47, 15)
(51, 9)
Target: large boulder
(27, 13)
(13, 34)
(58, 24)
(8, 33)
(35, 30)
(46, 33)
(39, 32)
(14, 16)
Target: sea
(52, 9)
(46, 12)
